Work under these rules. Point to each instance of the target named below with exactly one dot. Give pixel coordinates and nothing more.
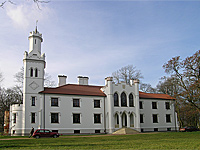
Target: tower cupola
(35, 40)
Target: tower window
(32, 117)
(36, 72)
(31, 72)
(33, 101)
(35, 41)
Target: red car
(45, 133)
(189, 129)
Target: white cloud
(25, 14)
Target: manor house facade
(83, 108)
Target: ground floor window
(155, 118)
(141, 118)
(168, 118)
(54, 118)
(155, 129)
(97, 131)
(32, 117)
(76, 118)
(169, 129)
(14, 118)
(97, 118)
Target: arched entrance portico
(124, 120)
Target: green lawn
(168, 140)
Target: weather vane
(36, 26)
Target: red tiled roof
(155, 96)
(75, 89)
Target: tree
(147, 88)
(19, 78)
(37, 2)
(1, 77)
(126, 74)
(187, 75)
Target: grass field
(168, 140)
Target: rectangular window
(96, 103)
(141, 118)
(155, 129)
(76, 103)
(32, 117)
(155, 118)
(168, 118)
(169, 129)
(97, 131)
(76, 131)
(97, 118)
(54, 118)
(14, 118)
(154, 105)
(141, 105)
(167, 105)
(54, 101)
(76, 118)
(33, 101)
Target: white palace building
(82, 108)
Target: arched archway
(131, 120)
(124, 119)
(116, 120)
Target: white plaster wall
(66, 110)
(147, 111)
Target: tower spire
(36, 26)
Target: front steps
(125, 131)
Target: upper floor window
(131, 103)
(167, 105)
(33, 101)
(154, 105)
(123, 100)
(76, 103)
(96, 103)
(97, 118)
(116, 99)
(141, 118)
(54, 101)
(31, 72)
(54, 118)
(36, 72)
(14, 118)
(32, 117)
(76, 118)
(168, 118)
(141, 105)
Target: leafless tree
(37, 2)
(126, 74)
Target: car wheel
(37, 136)
(54, 136)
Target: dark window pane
(141, 105)
(14, 117)
(33, 101)
(32, 117)
(54, 117)
(96, 103)
(141, 118)
(131, 103)
(168, 118)
(154, 105)
(76, 118)
(116, 100)
(167, 105)
(31, 72)
(155, 118)
(97, 118)
(54, 101)
(36, 72)
(123, 100)
(76, 103)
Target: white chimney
(61, 80)
(82, 80)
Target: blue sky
(95, 38)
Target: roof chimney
(82, 80)
(61, 80)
